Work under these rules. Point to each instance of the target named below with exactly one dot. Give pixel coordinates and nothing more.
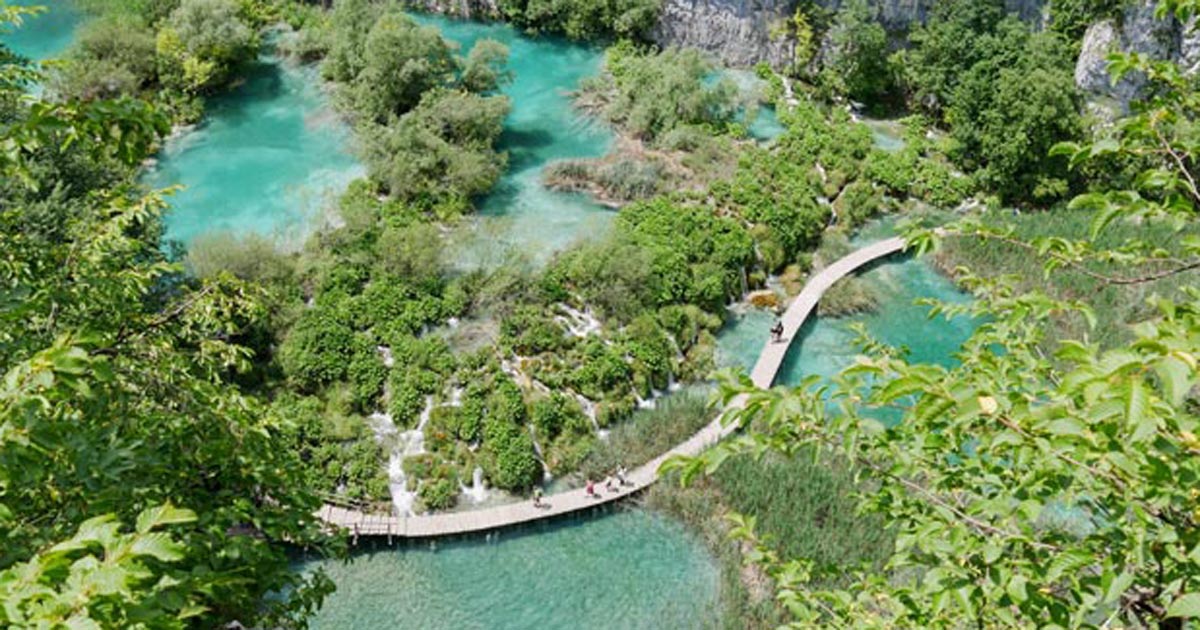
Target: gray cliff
(740, 32)
(1137, 31)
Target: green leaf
(158, 545)
(1176, 379)
(1016, 588)
(1067, 426)
(1119, 585)
(1186, 606)
(158, 516)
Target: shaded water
(268, 158)
(542, 127)
(626, 570)
(47, 35)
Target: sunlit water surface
(626, 570)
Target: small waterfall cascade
(406, 444)
(579, 323)
(386, 353)
(477, 492)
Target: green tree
(442, 151)
(485, 68)
(202, 43)
(115, 400)
(111, 56)
(858, 62)
(1008, 111)
(649, 94)
(401, 61)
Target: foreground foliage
(116, 401)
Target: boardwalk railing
(362, 523)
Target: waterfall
(407, 444)
(589, 410)
(386, 353)
(477, 493)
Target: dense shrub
(201, 44)
(650, 94)
(441, 151)
(584, 19)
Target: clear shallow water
(542, 127)
(626, 570)
(268, 158)
(47, 35)
(826, 345)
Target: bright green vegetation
(584, 19)
(650, 95)
(631, 569)
(173, 52)
(117, 402)
(1046, 479)
(1003, 92)
(1116, 308)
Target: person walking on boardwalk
(777, 331)
(537, 498)
(591, 489)
(621, 476)
(608, 484)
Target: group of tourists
(613, 483)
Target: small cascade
(477, 493)
(386, 353)
(537, 448)
(672, 384)
(407, 444)
(589, 410)
(456, 395)
(579, 323)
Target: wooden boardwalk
(763, 375)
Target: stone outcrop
(744, 32)
(1139, 31)
(476, 9)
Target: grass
(805, 509)
(1115, 306)
(649, 433)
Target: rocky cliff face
(477, 9)
(1137, 31)
(739, 32)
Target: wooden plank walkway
(763, 375)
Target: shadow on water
(525, 146)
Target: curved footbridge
(448, 524)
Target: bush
(111, 57)
(401, 61)
(508, 457)
(442, 151)
(584, 19)
(318, 349)
(201, 44)
(651, 94)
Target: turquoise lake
(270, 157)
(47, 35)
(624, 571)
